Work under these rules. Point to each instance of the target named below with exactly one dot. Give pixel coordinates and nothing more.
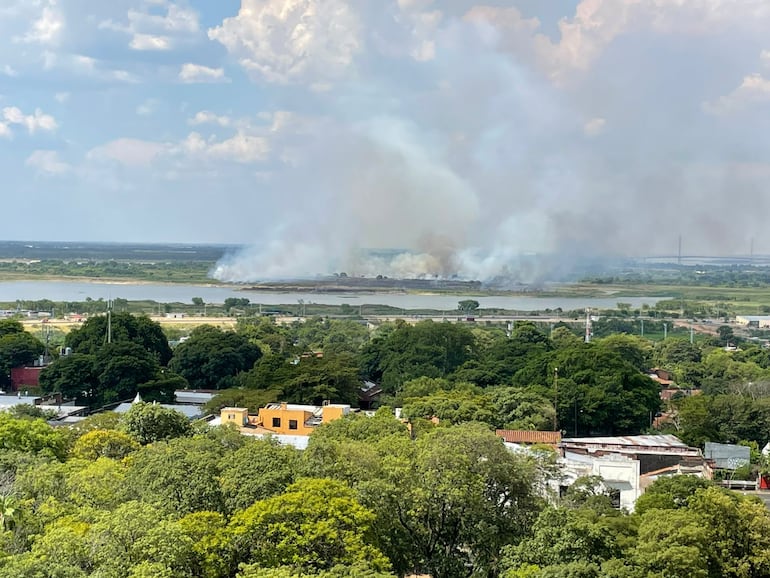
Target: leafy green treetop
(149, 422)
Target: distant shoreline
(110, 281)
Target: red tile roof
(520, 436)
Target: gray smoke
(483, 154)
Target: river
(11, 291)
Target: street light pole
(576, 418)
(555, 399)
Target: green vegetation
(147, 494)
(162, 272)
(365, 500)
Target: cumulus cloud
(285, 41)
(198, 74)
(129, 152)
(151, 30)
(754, 89)
(249, 142)
(47, 27)
(47, 162)
(240, 148)
(208, 117)
(465, 133)
(149, 42)
(37, 121)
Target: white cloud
(32, 122)
(199, 74)
(422, 25)
(148, 107)
(8, 70)
(257, 140)
(5, 130)
(47, 162)
(129, 152)
(150, 31)
(150, 42)
(594, 127)
(765, 57)
(136, 153)
(208, 117)
(288, 41)
(87, 66)
(755, 88)
(62, 97)
(241, 148)
(48, 27)
(178, 18)
(585, 36)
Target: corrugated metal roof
(727, 456)
(190, 411)
(183, 396)
(515, 436)
(644, 441)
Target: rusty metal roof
(518, 436)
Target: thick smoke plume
(491, 135)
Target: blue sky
(467, 131)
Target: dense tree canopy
(141, 330)
(148, 423)
(211, 358)
(410, 351)
(17, 348)
(373, 496)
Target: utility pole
(588, 326)
(555, 399)
(109, 321)
(665, 331)
(692, 335)
(576, 418)
(642, 320)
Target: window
(292, 424)
(276, 422)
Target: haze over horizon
(470, 132)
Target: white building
(759, 321)
(628, 464)
(619, 474)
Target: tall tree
(125, 327)
(148, 423)
(212, 357)
(425, 349)
(314, 525)
(181, 475)
(17, 349)
(258, 470)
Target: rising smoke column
(469, 136)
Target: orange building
(285, 418)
